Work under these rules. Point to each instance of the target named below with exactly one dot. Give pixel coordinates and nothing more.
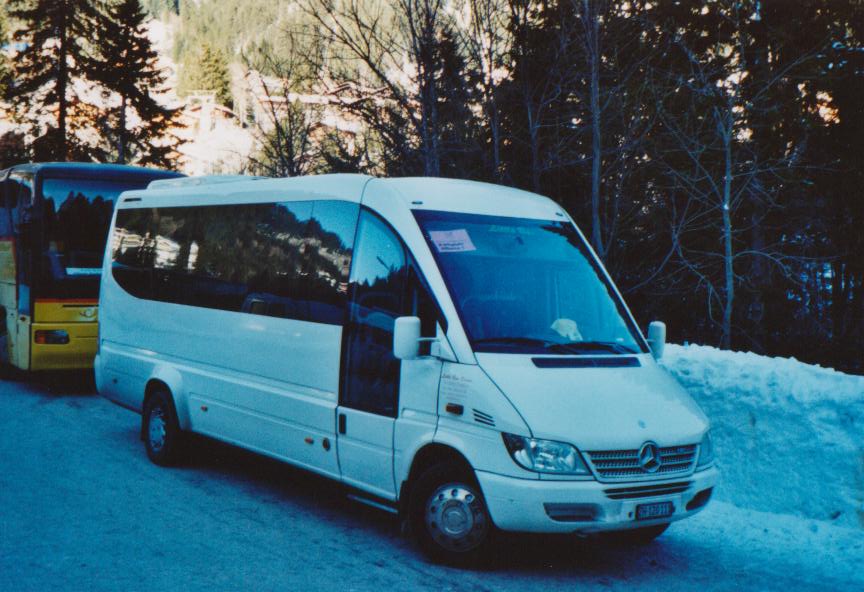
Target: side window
(329, 242)
(20, 195)
(270, 259)
(5, 219)
(133, 252)
(420, 303)
(377, 290)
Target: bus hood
(598, 408)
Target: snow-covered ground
(789, 436)
(81, 507)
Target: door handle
(342, 423)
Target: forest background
(711, 150)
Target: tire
(164, 441)
(448, 516)
(7, 370)
(635, 537)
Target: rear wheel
(449, 518)
(163, 439)
(7, 370)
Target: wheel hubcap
(156, 429)
(455, 517)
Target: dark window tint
(329, 243)
(5, 215)
(269, 259)
(527, 286)
(420, 303)
(20, 195)
(378, 288)
(77, 214)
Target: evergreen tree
(12, 149)
(159, 7)
(5, 65)
(52, 35)
(130, 72)
(208, 71)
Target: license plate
(652, 511)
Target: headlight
(545, 456)
(706, 452)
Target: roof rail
(202, 180)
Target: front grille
(624, 464)
(647, 490)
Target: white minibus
(449, 350)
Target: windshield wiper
(573, 347)
(515, 341)
(590, 346)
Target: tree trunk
(726, 340)
(62, 82)
(592, 31)
(533, 133)
(121, 133)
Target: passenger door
(369, 397)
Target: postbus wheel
(449, 518)
(7, 370)
(164, 441)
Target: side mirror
(657, 338)
(406, 338)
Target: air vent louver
(484, 418)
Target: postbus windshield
(527, 286)
(76, 216)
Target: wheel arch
(170, 379)
(433, 453)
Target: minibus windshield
(527, 286)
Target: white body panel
(598, 408)
(273, 384)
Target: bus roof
(90, 169)
(414, 192)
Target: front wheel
(449, 518)
(163, 438)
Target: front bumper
(585, 506)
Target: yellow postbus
(53, 226)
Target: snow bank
(789, 436)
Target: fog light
(572, 512)
(700, 499)
(58, 337)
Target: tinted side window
(269, 259)
(5, 219)
(420, 303)
(378, 281)
(133, 251)
(20, 195)
(329, 242)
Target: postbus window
(5, 217)
(77, 213)
(20, 195)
